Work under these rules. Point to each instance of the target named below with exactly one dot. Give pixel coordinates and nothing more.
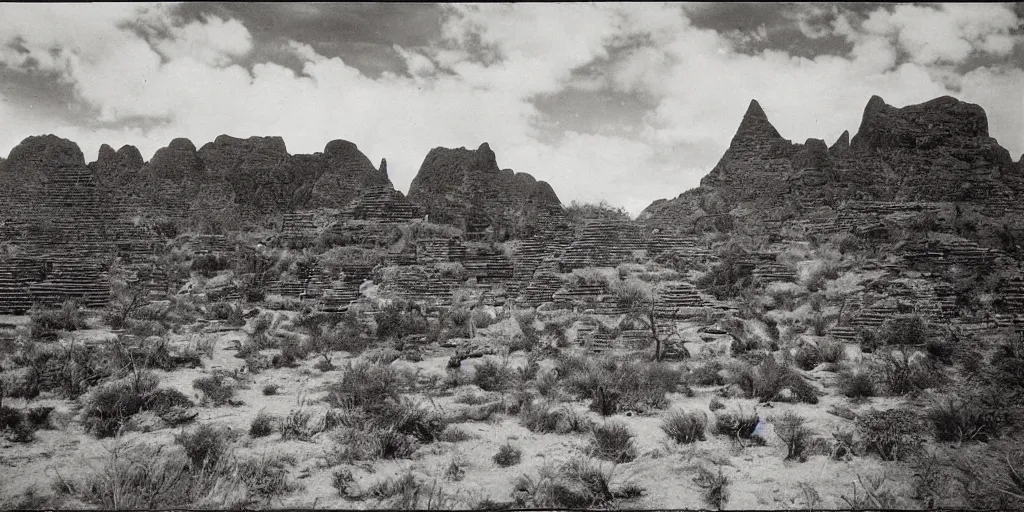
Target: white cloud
(479, 81)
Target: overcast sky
(629, 103)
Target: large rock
(43, 154)
(178, 161)
(345, 172)
(113, 167)
(466, 188)
(939, 150)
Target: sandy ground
(760, 478)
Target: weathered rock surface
(466, 188)
(40, 154)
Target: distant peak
(842, 143)
(755, 124)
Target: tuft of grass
(271, 389)
(715, 485)
(109, 406)
(738, 424)
(580, 483)
(364, 383)
(797, 437)
(544, 416)
(205, 445)
(297, 426)
(455, 434)
(684, 427)
(766, 380)
(613, 440)
(903, 376)
(262, 425)
(857, 385)
(508, 455)
(961, 421)
(894, 435)
(216, 389)
(492, 375)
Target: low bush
(904, 330)
(894, 434)
(715, 486)
(544, 416)
(960, 421)
(216, 389)
(684, 427)
(767, 380)
(205, 445)
(620, 385)
(739, 424)
(708, 374)
(108, 407)
(613, 440)
(902, 375)
(364, 383)
(455, 434)
(266, 478)
(262, 425)
(492, 375)
(508, 455)
(45, 322)
(271, 389)
(297, 426)
(580, 483)
(797, 437)
(857, 385)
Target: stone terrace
(604, 243)
(381, 204)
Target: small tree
(128, 297)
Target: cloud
(145, 75)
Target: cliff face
(939, 150)
(466, 188)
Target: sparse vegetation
(684, 427)
(508, 455)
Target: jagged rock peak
(813, 154)
(44, 153)
(128, 158)
(842, 144)
(272, 143)
(755, 124)
(932, 123)
(383, 166)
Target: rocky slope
(466, 188)
(938, 151)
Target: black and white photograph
(511, 256)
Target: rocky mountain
(466, 188)
(937, 151)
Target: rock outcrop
(466, 188)
(40, 154)
(939, 150)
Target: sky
(623, 102)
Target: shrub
(902, 375)
(581, 483)
(39, 417)
(942, 351)
(893, 434)
(544, 416)
(296, 426)
(454, 434)
(904, 330)
(831, 351)
(768, 379)
(961, 420)
(44, 322)
(271, 389)
(716, 487)
(364, 383)
(492, 375)
(684, 427)
(262, 425)
(739, 424)
(215, 389)
(791, 430)
(166, 399)
(992, 478)
(267, 477)
(620, 385)
(508, 455)
(613, 440)
(869, 340)
(207, 265)
(708, 374)
(857, 385)
(109, 406)
(807, 357)
(715, 404)
(205, 445)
